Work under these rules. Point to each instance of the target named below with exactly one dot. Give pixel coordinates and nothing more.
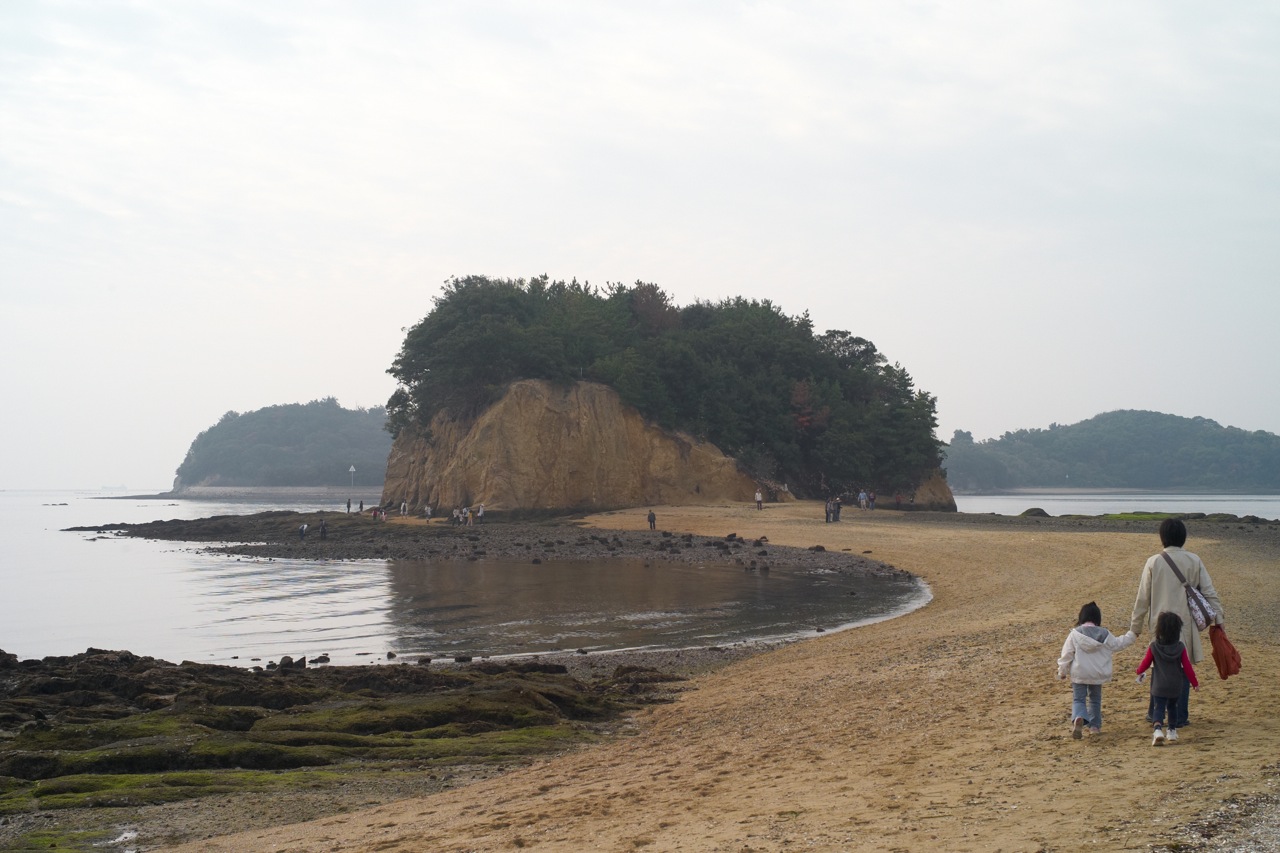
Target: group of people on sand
(462, 516)
(1170, 658)
(465, 516)
(866, 501)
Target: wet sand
(944, 729)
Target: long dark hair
(1168, 628)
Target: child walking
(1172, 667)
(1086, 657)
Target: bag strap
(1174, 566)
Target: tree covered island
(294, 445)
(823, 413)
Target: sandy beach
(944, 729)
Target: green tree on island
(298, 444)
(1125, 449)
(823, 413)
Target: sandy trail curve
(941, 730)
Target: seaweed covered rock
(106, 713)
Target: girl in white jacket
(1086, 657)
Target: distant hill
(1126, 449)
(311, 444)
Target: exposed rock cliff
(935, 494)
(547, 447)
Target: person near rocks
(862, 498)
(348, 506)
(1086, 659)
(404, 507)
(830, 508)
(302, 531)
(324, 528)
(426, 512)
(759, 500)
(467, 519)
(362, 507)
(480, 514)
(1172, 675)
(1159, 590)
(836, 506)
(871, 498)
(653, 521)
(457, 516)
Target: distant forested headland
(298, 444)
(1124, 449)
(821, 412)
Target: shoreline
(875, 739)
(253, 493)
(273, 536)
(1108, 490)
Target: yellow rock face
(935, 494)
(548, 447)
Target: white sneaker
(1171, 735)
(1157, 737)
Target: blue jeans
(1183, 701)
(1086, 701)
(1163, 704)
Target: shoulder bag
(1201, 613)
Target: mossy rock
(233, 718)
(73, 742)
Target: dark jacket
(1167, 675)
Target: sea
(62, 592)
(1066, 502)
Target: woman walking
(1159, 590)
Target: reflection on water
(506, 607)
(292, 607)
(65, 592)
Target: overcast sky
(1041, 210)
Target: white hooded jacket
(1086, 655)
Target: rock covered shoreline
(109, 745)
(275, 535)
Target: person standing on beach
(1086, 658)
(653, 521)
(302, 532)
(480, 514)
(759, 500)
(1159, 590)
(1173, 675)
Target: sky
(1041, 210)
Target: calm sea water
(64, 592)
(1263, 506)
